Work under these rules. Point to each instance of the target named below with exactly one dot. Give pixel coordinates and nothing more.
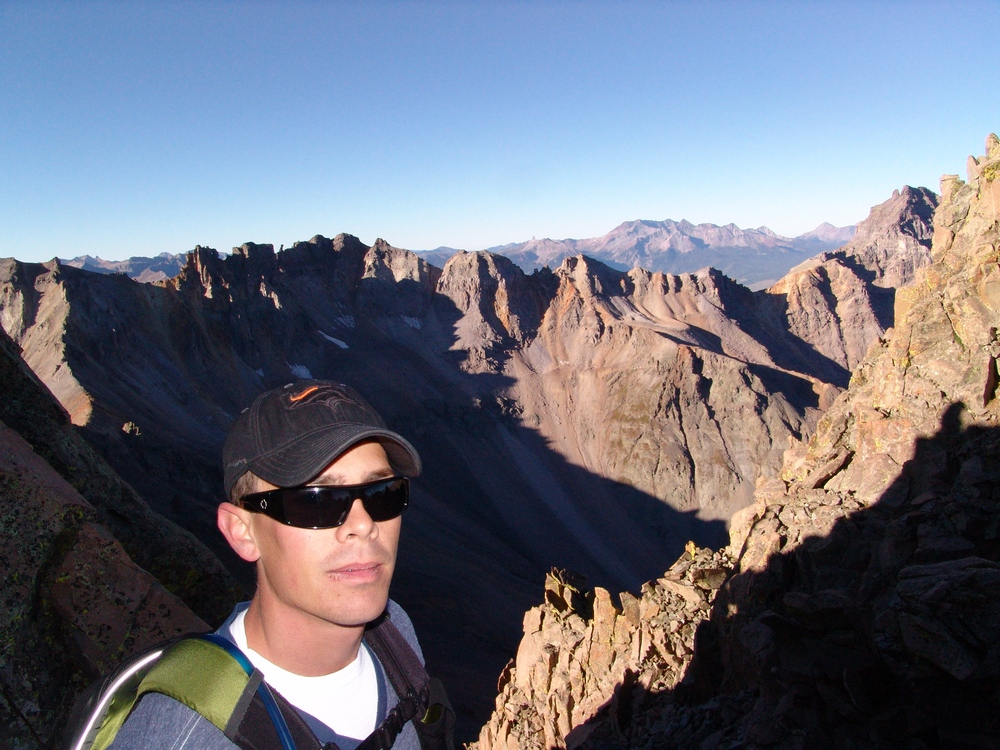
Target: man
(316, 486)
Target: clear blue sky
(133, 128)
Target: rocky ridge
(689, 380)
(582, 656)
(749, 255)
(841, 302)
(859, 611)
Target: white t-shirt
(346, 700)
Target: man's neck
(299, 642)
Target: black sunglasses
(327, 506)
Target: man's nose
(358, 523)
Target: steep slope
(690, 380)
(841, 302)
(860, 610)
(585, 418)
(644, 378)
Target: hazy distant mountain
(438, 256)
(827, 236)
(754, 257)
(163, 266)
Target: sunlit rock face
(859, 605)
(584, 418)
(840, 302)
(583, 654)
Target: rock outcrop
(582, 656)
(885, 525)
(861, 610)
(841, 302)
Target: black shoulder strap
(256, 730)
(422, 699)
(406, 675)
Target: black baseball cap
(289, 435)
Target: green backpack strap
(201, 673)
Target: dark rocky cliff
(90, 572)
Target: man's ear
(236, 526)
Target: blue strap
(262, 690)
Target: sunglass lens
(386, 500)
(317, 509)
(329, 506)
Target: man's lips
(357, 571)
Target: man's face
(339, 575)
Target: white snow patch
(345, 321)
(411, 322)
(300, 371)
(331, 339)
(259, 373)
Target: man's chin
(360, 614)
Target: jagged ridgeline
(857, 603)
(584, 418)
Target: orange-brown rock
(581, 655)
(73, 602)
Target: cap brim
(308, 456)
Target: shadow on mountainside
(883, 298)
(788, 351)
(496, 508)
(872, 628)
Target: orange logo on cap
(304, 393)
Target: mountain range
(163, 266)
(584, 417)
(754, 257)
